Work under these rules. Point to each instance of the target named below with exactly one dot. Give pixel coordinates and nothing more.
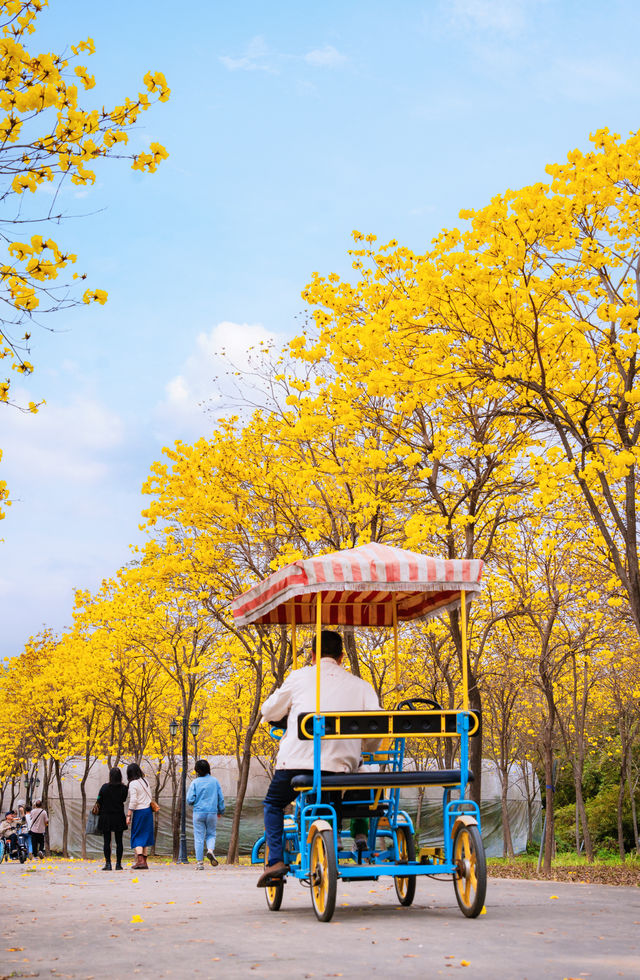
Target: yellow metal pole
(294, 644)
(318, 649)
(395, 642)
(465, 662)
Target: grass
(607, 869)
(569, 859)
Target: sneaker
(41, 855)
(361, 842)
(212, 858)
(199, 866)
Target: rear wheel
(323, 874)
(406, 887)
(273, 893)
(470, 878)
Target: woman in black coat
(111, 818)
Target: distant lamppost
(194, 728)
(173, 731)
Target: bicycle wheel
(323, 875)
(470, 878)
(273, 893)
(406, 887)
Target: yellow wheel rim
(271, 890)
(465, 857)
(403, 853)
(319, 873)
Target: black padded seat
(377, 780)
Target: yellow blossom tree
(50, 135)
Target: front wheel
(470, 878)
(406, 887)
(273, 893)
(323, 874)
(22, 854)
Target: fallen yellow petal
(484, 910)
(465, 963)
(137, 918)
(554, 896)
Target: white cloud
(326, 57)
(207, 378)
(64, 441)
(256, 57)
(581, 80)
(496, 16)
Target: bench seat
(377, 780)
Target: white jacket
(339, 691)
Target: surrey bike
(374, 586)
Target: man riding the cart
(341, 691)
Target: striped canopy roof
(359, 587)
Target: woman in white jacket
(140, 815)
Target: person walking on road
(38, 828)
(205, 796)
(139, 816)
(111, 818)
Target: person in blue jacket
(205, 796)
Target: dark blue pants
(279, 796)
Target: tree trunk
(419, 808)
(241, 790)
(475, 702)
(634, 810)
(621, 785)
(83, 810)
(581, 814)
(350, 650)
(475, 744)
(507, 841)
(550, 816)
(83, 821)
(63, 810)
(529, 788)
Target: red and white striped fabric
(359, 588)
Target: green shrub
(602, 816)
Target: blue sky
(289, 126)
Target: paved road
(67, 919)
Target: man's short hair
(202, 767)
(330, 644)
